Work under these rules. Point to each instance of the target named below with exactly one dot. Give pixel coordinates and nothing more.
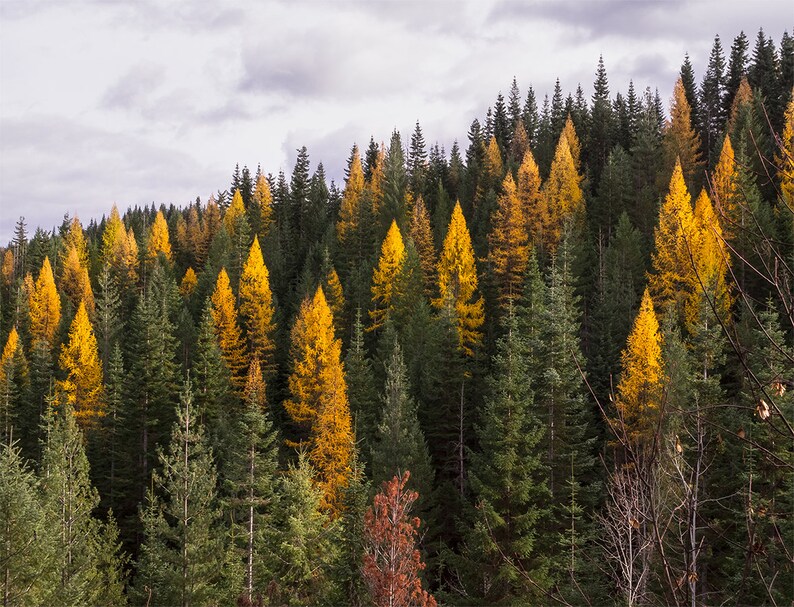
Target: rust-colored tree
(391, 561)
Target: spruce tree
(184, 552)
(508, 483)
(361, 390)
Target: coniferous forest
(552, 365)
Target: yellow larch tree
(75, 283)
(573, 143)
(256, 308)
(211, 223)
(332, 287)
(376, 180)
(189, 283)
(120, 249)
(384, 277)
(318, 397)
(639, 394)
(45, 306)
(421, 234)
(680, 141)
(563, 193)
(80, 362)
(349, 211)
(508, 243)
(673, 273)
(75, 239)
(234, 212)
(230, 339)
(725, 188)
(743, 96)
(9, 352)
(158, 240)
(7, 268)
(492, 169)
(263, 199)
(533, 204)
(457, 282)
(784, 159)
(710, 257)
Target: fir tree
(183, 555)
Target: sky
(142, 101)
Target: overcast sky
(146, 101)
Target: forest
(552, 365)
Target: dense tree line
(554, 367)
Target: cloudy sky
(146, 101)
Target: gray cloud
(49, 166)
(135, 87)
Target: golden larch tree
(492, 169)
(318, 397)
(332, 287)
(673, 273)
(743, 96)
(45, 306)
(639, 395)
(349, 211)
(234, 212)
(725, 188)
(263, 199)
(384, 277)
(75, 239)
(533, 204)
(710, 258)
(230, 339)
(457, 282)
(256, 308)
(158, 240)
(114, 237)
(508, 243)
(421, 234)
(7, 268)
(80, 362)
(563, 193)
(573, 143)
(189, 283)
(9, 352)
(784, 159)
(75, 283)
(680, 141)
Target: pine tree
(301, 544)
(224, 314)
(253, 482)
(384, 277)
(421, 235)
(27, 556)
(399, 443)
(361, 390)
(712, 92)
(737, 70)
(45, 306)
(600, 140)
(417, 163)
(639, 391)
(256, 308)
(392, 563)
(158, 241)
(457, 283)
(509, 248)
(395, 183)
(183, 556)
(87, 561)
(507, 480)
(109, 321)
(80, 363)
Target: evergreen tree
(399, 443)
(183, 555)
(361, 391)
(88, 566)
(507, 479)
(600, 142)
(509, 250)
(712, 93)
(27, 553)
(737, 70)
(252, 483)
(417, 163)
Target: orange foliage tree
(391, 561)
(509, 247)
(45, 306)
(562, 192)
(384, 277)
(158, 241)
